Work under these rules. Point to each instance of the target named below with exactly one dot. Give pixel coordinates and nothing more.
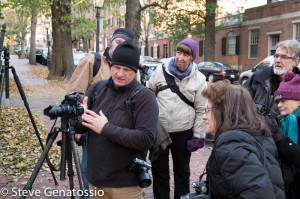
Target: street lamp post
(47, 26)
(98, 5)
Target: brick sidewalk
(44, 180)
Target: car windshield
(222, 65)
(146, 59)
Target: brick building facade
(245, 42)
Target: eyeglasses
(208, 109)
(283, 57)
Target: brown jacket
(82, 77)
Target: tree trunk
(209, 51)
(32, 57)
(133, 18)
(62, 57)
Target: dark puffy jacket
(237, 167)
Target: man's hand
(92, 120)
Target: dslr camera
(70, 107)
(141, 167)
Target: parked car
(164, 60)
(267, 62)
(77, 57)
(41, 56)
(147, 67)
(217, 71)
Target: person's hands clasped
(92, 120)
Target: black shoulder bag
(174, 88)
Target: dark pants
(84, 163)
(294, 191)
(181, 167)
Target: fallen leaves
(14, 91)
(38, 72)
(19, 146)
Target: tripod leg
(23, 96)
(1, 81)
(39, 164)
(69, 162)
(76, 159)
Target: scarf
(289, 126)
(174, 70)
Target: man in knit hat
(83, 77)
(113, 141)
(180, 116)
(288, 98)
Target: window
(166, 51)
(201, 48)
(254, 40)
(155, 50)
(273, 40)
(231, 43)
(297, 31)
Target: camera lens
(144, 177)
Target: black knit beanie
(126, 54)
(124, 33)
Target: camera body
(70, 107)
(200, 187)
(141, 167)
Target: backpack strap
(97, 63)
(97, 89)
(174, 88)
(129, 106)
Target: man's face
(114, 44)
(121, 75)
(284, 61)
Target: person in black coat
(288, 98)
(243, 162)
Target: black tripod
(5, 74)
(68, 150)
(70, 111)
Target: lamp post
(47, 26)
(98, 4)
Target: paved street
(44, 180)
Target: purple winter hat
(289, 88)
(192, 44)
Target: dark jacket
(236, 167)
(111, 152)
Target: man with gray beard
(262, 86)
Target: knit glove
(195, 143)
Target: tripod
(67, 150)
(5, 74)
